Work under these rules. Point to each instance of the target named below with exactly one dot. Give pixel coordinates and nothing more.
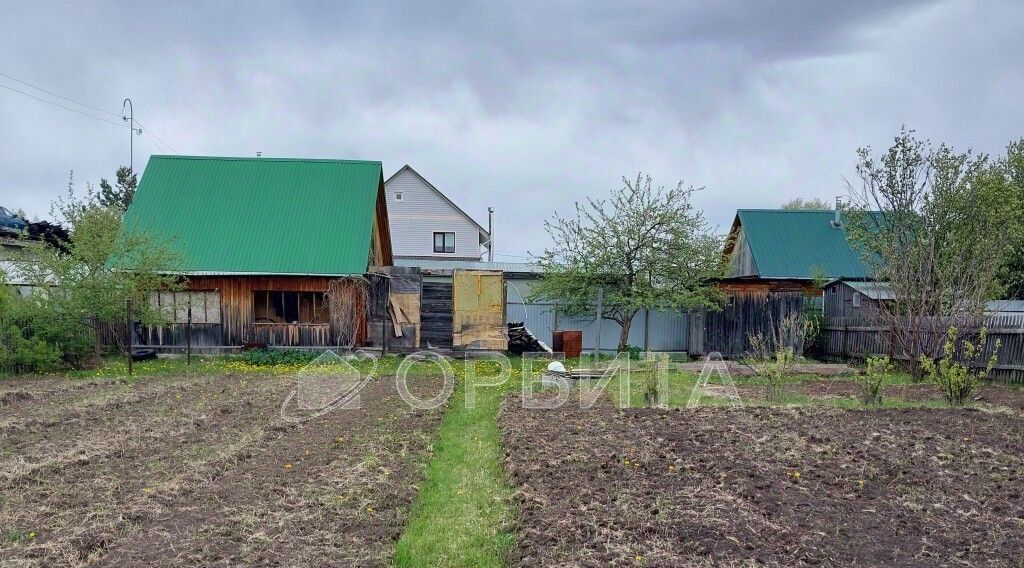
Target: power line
(157, 141)
(152, 134)
(31, 96)
(52, 94)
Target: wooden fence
(748, 314)
(853, 339)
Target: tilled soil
(176, 471)
(815, 486)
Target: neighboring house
(14, 274)
(855, 298)
(774, 250)
(262, 240)
(426, 224)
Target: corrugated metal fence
(654, 330)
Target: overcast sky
(525, 109)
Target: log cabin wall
(238, 314)
(764, 286)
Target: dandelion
(671, 467)
(287, 466)
(369, 509)
(147, 489)
(32, 534)
(796, 475)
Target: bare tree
(934, 224)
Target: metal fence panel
(666, 331)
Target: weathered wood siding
(436, 314)
(749, 313)
(741, 260)
(763, 286)
(839, 302)
(854, 338)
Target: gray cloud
(523, 107)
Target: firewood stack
(521, 340)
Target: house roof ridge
(264, 159)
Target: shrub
(635, 352)
(871, 383)
(959, 377)
(773, 373)
(26, 354)
(269, 357)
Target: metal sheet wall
(666, 331)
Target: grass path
(462, 516)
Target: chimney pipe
(837, 220)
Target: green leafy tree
(1012, 272)
(936, 224)
(801, 204)
(120, 194)
(642, 248)
(105, 264)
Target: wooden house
(776, 250)
(262, 241)
(855, 298)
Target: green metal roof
(799, 244)
(260, 215)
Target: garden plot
(202, 471)
(766, 486)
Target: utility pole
(490, 234)
(130, 119)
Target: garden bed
(203, 471)
(766, 486)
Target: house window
(289, 307)
(835, 288)
(856, 299)
(444, 242)
(398, 196)
(173, 306)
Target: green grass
(462, 515)
(224, 364)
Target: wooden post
(128, 327)
(188, 338)
(384, 321)
(647, 328)
(600, 320)
(554, 317)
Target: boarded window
(271, 306)
(174, 306)
(444, 242)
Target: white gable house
(425, 224)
